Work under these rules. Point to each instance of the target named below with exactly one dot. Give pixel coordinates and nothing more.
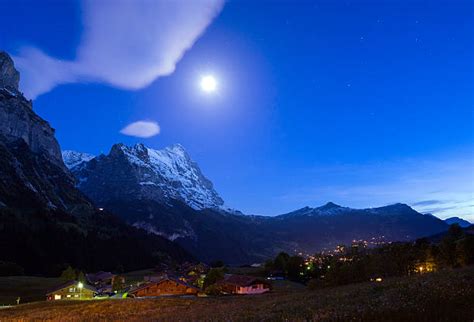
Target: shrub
(213, 290)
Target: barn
(71, 290)
(242, 284)
(164, 287)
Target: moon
(208, 84)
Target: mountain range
(137, 206)
(165, 193)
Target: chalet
(100, 278)
(165, 287)
(242, 284)
(72, 290)
(103, 281)
(157, 277)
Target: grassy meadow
(28, 288)
(442, 296)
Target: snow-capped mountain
(165, 193)
(328, 209)
(73, 159)
(331, 209)
(160, 175)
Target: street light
(80, 285)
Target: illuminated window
(57, 296)
(69, 295)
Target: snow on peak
(328, 209)
(173, 172)
(73, 158)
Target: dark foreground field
(442, 296)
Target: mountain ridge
(160, 175)
(115, 182)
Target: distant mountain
(73, 159)
(138, 172)
(165, 193)
(325, 227)
(45, 222)
(456, 220)
(329, 209)
(437, 238)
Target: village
(198, 279)
(326, 284)
(187, 280)
(357, 262)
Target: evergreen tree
(214, 275)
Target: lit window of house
(57, 296)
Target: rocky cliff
(17, 118)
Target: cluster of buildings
(187, 281)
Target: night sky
(363, 103)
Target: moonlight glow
(208, 84)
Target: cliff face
(17, 118)
(32, 172)
(9, 76)
(45, 222)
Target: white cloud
(141, 129)
(125, 43)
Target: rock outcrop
(9, 76)
(17, 118)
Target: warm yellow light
(378, 279)
(80, 285)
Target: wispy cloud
(428, 202)
(125, 43)
(441, 186)
(141, 129)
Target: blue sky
(363, 103)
